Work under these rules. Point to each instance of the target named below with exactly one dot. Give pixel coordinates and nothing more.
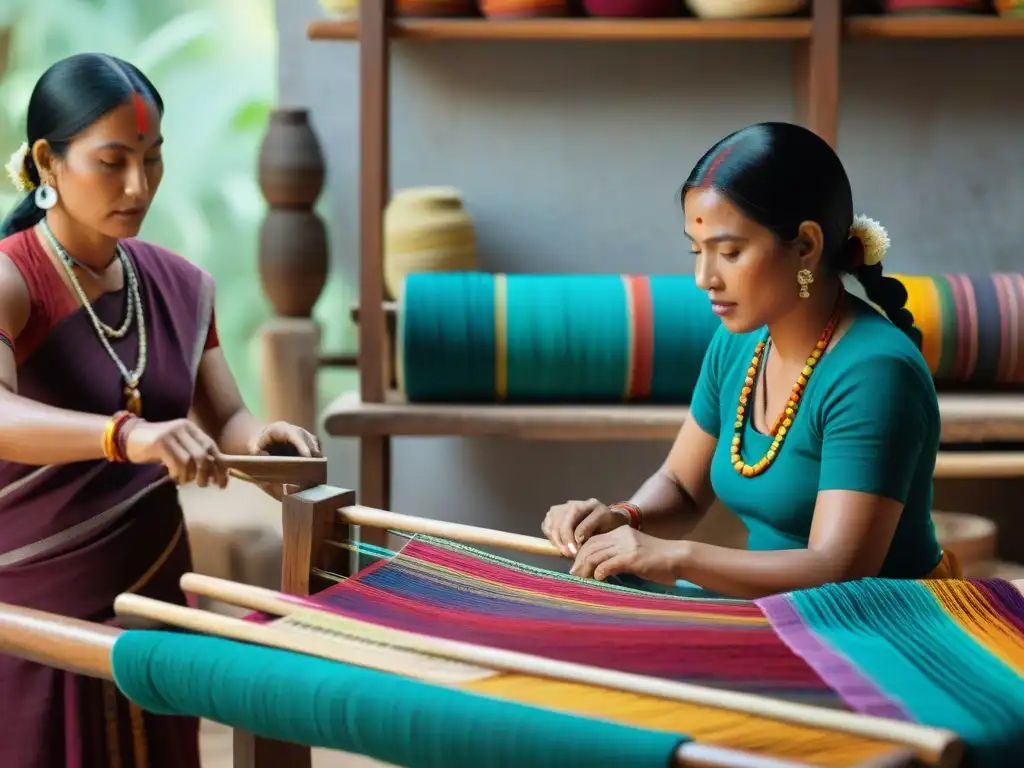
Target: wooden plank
(965, 419)
(574, 29)
(937, 27)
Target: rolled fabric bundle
(973, 326)
(475, 337)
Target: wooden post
(816, 71)
(293, 265)
(374, 189)
(309, 521)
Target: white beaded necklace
(133, 311)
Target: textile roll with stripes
(475, 337)
(973, 326)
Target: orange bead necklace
(785, 419)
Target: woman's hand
(187, 452)
(625, 550)
(568, 525)
(281, 432)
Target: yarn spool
(971, 538)
(972, 326)
(426, 229)
(476, 337)
(525, 9)
(632, 9)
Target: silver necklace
(133, 398)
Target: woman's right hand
(568, 525)
(187, 452)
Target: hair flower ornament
(873, 238)
(17, 170)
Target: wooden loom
(315, 520)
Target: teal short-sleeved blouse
(868, 421)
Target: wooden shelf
(953, 26)
(582, 29)
(965, 419)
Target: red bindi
(141, 114)
(700, 220)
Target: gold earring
(804, 278)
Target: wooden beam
(816, 71)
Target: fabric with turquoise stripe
(292, 697)
(897, 633)
(567, 337)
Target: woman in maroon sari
(108, 345)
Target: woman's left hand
(281, 432)
(627, 550)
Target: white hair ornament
(873, 237)
(17, 169)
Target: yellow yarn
(720, 727)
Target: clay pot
(426, 229)
(293, 256)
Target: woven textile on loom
(946, 654)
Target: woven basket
(745, 9)
(426, 229)
(1010, 8)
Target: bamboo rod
(332, 648)
(82, 647)
(932, 745)
(990, 464)
(468, 534)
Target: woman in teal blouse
(815, 417)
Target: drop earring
(46, 196)
(804, 278)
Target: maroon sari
(74, 536)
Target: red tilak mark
(141, 114)
(700, 220)
(710, 177)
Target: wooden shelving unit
(564, 30)
(376, 414)
(951, 27)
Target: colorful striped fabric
(471, 337)
(943, 653)
(973, 326)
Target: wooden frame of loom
(316, 519)
(85, 648)
(292, 354)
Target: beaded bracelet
(114, 435)
(634, 513)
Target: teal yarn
(446, 337)
(567, 338)
(296, 698)
(683, 327)
(898, 635)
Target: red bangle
(636, 517)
